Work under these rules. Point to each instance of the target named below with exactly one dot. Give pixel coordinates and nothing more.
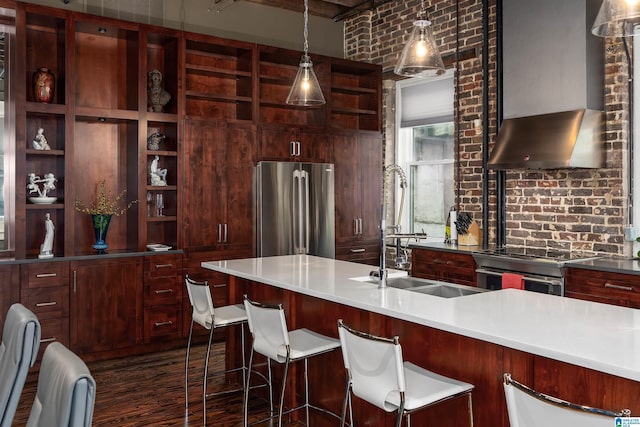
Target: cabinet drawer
(54, 330)
(442, 260)
(163, 321)
(47, 303)
(613, 288)
(37, 275)
(166, 290)
(163, 266)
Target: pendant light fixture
(619, 18)
(306, 90)
(420, 56)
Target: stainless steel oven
(541, 269)
(491, 278)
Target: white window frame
(404, 150)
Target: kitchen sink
(439, 289)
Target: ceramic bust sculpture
(157, 175)
(157, 96)
(46, 249)
(40, 142)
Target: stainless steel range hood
(569, 139)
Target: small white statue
(49, 183)
(158, 175)
(46, 249)
(40, 142)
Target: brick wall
(578, 210)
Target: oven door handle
(527, 278)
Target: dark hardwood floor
(148, 390)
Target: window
(425, 151)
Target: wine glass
(159, 204)
(149, 201)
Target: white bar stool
(529, 408)
(210, 318)
(377, 374)
(272, 339)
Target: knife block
(473, 236)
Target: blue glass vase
(100, 228)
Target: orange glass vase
(43, 85)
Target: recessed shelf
(219, 98)
(36, 207)
(39, 107)
(34, 152)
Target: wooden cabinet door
(106, 304)
(238, 182)
(205, 198)
(358, 182)
(347, 187)
(219, 178)
(370, 167)
(280, 143)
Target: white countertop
(602, 337)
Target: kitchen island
(579, 350)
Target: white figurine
(158, 176)
(46, 249)
(40, 142)
(49, 183)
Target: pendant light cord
(306, 27)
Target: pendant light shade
(420, 56)
(306, 90)
(619, 18)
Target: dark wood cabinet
(44, 289)
(601, 286)
(227, 110)
(453, 267)
(278, 143)
(218, 208)
(358, 192)
(162, 286)
(106, 303)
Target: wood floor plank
(148, 390)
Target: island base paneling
(477, 362)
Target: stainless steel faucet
(388, 170)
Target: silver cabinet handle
(41, 275)
(75, 275)
(219, 233)
(226, 234)
(293, 148)
(298, 145)
(619, 287)
(47, 340)
(158, 266)
(355, 226)
(220, 285)
(163, 291)
(358, 251)
(168, 322)
(46, 304)
(360, 225)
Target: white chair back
(66, 391)
(268, 327)
(18, 352)
(374, 365)
(528, 408)
(201, 302)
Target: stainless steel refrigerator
(295, 209)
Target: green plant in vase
(101, 211)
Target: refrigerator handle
(305, 188)
(297, 212)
